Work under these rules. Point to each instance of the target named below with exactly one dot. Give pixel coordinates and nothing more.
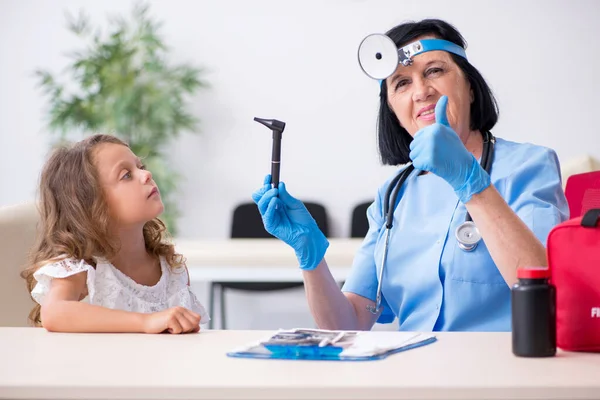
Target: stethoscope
(467, 235)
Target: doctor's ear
(472, 95)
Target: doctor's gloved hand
(287, 219)
(438, 149)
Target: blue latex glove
(287, 219)
(438, 149)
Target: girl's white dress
(109, 287)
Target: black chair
(247, 223)
(360, 222)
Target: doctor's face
(413, 92)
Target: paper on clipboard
(320, 344)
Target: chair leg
(222, 301)
(211, 306)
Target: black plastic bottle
(533, 314)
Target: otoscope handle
(276, 159)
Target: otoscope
(277, 127)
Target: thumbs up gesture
(438, 149)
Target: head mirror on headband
(379, 57)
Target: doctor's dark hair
(393, 139)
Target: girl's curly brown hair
(74, 216)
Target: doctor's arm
(509, 240)
(515, 234)
(333, 309)
(288, 219)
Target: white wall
(296, 61)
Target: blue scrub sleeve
(534, 191)
(362, 279)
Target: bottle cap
(533, 273)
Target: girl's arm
(63, 312)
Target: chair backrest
(247, 222)
(360, 222)
(17, 235)
(583, 192)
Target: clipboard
(329, 345)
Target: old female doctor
(436, 114)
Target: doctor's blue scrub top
(429, 283)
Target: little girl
(100, 240)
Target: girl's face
(131, 194)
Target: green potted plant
(122, 84)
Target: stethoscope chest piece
(467, 236)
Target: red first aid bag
(574, 260)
